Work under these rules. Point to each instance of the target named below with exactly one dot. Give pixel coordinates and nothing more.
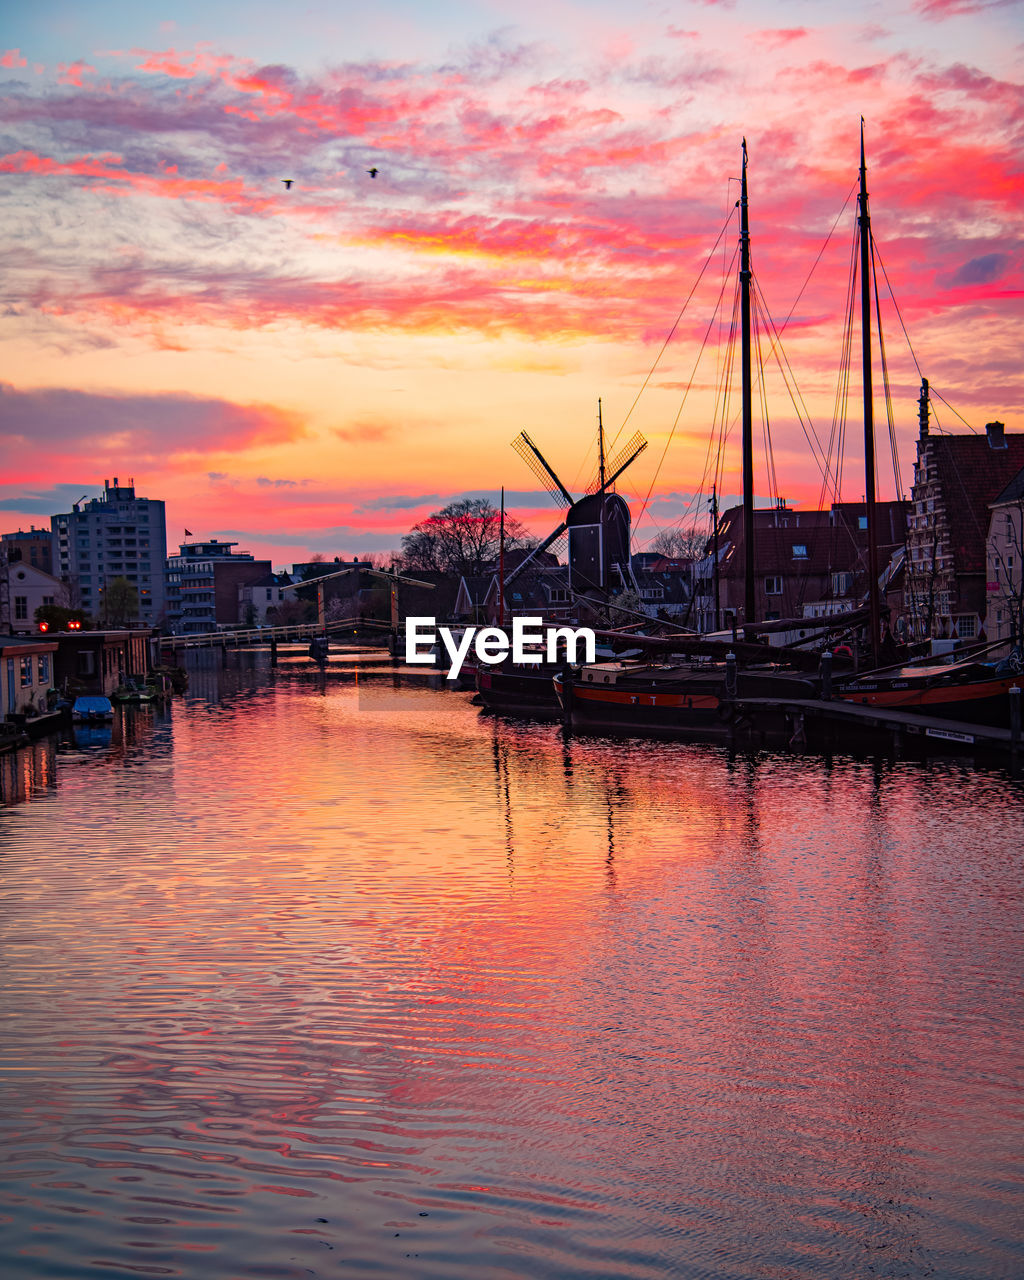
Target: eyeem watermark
(530, 641)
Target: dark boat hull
(519, 693)
(694, 704)
(978, 700)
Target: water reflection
(298, 984)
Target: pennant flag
(188, 533)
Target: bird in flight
(287, 183)
(373, 172)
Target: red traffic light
(44, 626)
(74, 625)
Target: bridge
(296, 633)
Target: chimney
(996, 438)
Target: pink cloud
(79, 424)
(71, 73)
(12, 58)
(777, 38)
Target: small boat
(90, 708)
(134, 689)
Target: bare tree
(462, 538)
(680, 544)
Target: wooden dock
(815, 720)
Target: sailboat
(966, 690)
(675, 694)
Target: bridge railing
(264, 635)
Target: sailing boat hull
(969, 692)
(675, 702)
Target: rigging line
(896, 307)
(838, 436)
(679, 411)
(779, 351)
(671, 332)
(821, 251)
(890, 416)
(719, 429)
(939, 396)
(910, 346)
(789, 380)
(769, 454)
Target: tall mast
(501, 562)
(748, 418)
(600, 446)
(864, 223)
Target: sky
(553, 221)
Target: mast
(501, 562)
(748, 418)
(714, 543)
(600, 446)
(864, 223)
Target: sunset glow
(315, 368)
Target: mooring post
(730, 675)
(826, 676)
(273, 651)
(567, 695)
(1014, 718)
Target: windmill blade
(538, 464)
(632, 450)
(543, 546)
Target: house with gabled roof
(807, 563)
(957, 479)
(1004, 574)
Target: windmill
(598, 522)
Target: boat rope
(679, 411)
(890, 416)
(671, 332)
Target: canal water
(335, 976)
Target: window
(799, 551)
(966, 625)
(773, 586)
(26, 673)
(21, 607)
(652, 593)
(559, 595)
(44, 668)
(48, 599)
(862, 522)
(841, 583)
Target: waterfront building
(808, 563)
(118, 535)
(24, 590)
(97, 662)
(956, 479)
(26, 675)
(30, 546)
(1004, 574)
(205, 583)
(256, 598)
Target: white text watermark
(530, 642)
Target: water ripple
(331, 975)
